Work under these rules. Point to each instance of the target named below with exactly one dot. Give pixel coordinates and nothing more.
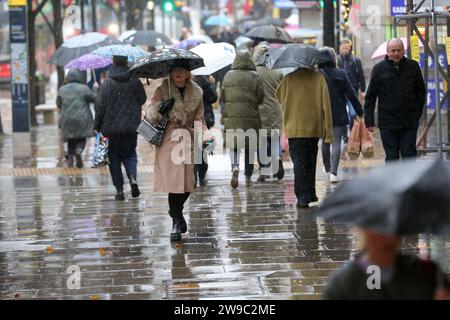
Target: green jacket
(242, 93)
(73, 99)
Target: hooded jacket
(242, 93)
(73, 102)
(270, 111)
(118, 104)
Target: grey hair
(394, 40)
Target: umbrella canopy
(270, 34)
(159, 63)
(380, 52)
(292, 56)
(402, 199)
(185, 44)
(242, 41)
(268, 20)
(89, 61)
(220, 20)
(146, 38)
(77, 46)
(201, 37)
(216, 56)
(133, 53)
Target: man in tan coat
(307, 118)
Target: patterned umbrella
(133, 53)
(77, 46)
(159, 63)
(89, 61)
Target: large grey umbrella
(402, 199)
(269, 33)
(146, 38)
(159, 63)
(292, 56)
(78, 46)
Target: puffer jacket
(73, 99)
(401, 95)
(242, 93)
(118, 104)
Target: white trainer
(333, 178)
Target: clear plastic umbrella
(216, 56)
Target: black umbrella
(292, 56)
(148, 38)
(268, 20)
(159, 63)
(402, 199)
(78, 46)
(269, 33)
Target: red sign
(5, 71)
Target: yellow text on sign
(12, 3)
(415, 50)
(448, 50)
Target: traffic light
(167, 5)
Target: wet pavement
(63, 236)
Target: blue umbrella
(221, 20)
(187, 43)
(133, 53)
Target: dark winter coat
(209, 97)
(73, 102)
(118, 104)
(340, 90)
(401, 95)
(353, 67)
(413, 278)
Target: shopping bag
(100, 157)
(354, 141)
(284, 142)
(367, 144)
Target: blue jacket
(341, 90)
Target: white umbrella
(216, 56)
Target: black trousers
(75, 146)
(399, 143)
(177, 201)
(304, 156)
(122, 149)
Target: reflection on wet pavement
(249, 243)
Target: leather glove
(166, 106)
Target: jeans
(122, 149)
(75, 146)
(265, 160)
(249, 160)
(304, 156)
(399, 142)
(331, 161)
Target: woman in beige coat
(174, 159)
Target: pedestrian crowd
(307, 105)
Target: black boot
(175, 234)
(70, 161)
(202, 173)
(280, 173)
(135, 192)
(79, 160)
(119, 194)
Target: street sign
(415, 50)
(398, 7)
(19, 67)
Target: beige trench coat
(174, 159)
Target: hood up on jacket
(259, 51)
(74, 75)
(243, 61)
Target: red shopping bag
(354, 141)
